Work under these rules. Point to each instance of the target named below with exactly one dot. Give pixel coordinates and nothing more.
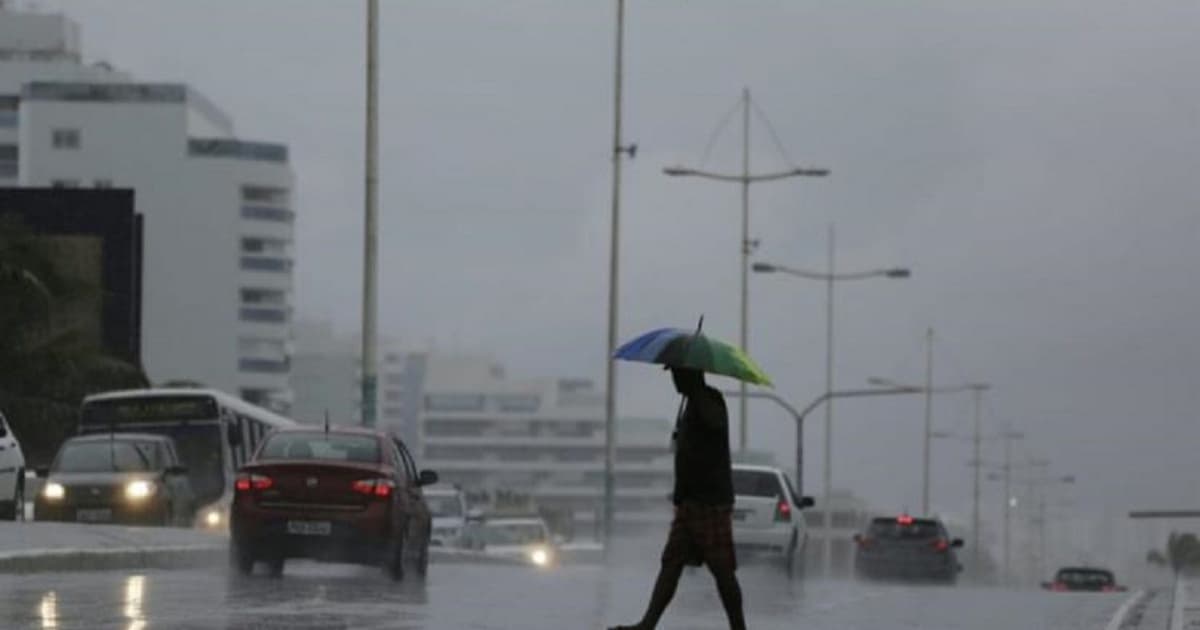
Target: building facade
(218, 209)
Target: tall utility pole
(977, 463)
(928, 421)
(745, 178)
(371, 221)
(744, 335)
(610, 376)
(1007, 534)
(827, 548)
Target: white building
(217, 283)
(537, 442)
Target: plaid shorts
(701, 534)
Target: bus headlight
(212, 518)
(54, 491)
(138, 490)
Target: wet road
(460, 597)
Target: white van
(448, 505)
(12, 474)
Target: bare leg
(664, 590)
(731, 596)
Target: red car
(337, 495)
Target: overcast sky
(1034, 165)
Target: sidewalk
(34, 546)
(1185, 614)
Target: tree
(47, 365)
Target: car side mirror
(42, 473)
(233, 435)
(427, 478)
(957, 543)
(806, 502)
(176, 470)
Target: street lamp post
(370, 366)
(976, 439)
(745, 178)
(830, 278)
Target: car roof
(1086, 570)
(758, 468)
(334, 430)
(915, 520)
(119, 437)
(515, 520)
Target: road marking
(1123, 612)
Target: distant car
(127, 478)
(12, 474)
(448, 505)
(527, 539)
(341, 495)
(766, 515)
(1084, 579)
(907, 548)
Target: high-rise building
(218, 233)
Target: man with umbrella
(702, 528)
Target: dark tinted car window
(1084, 577)
(756, 483)
(362, 449)
(108, 456)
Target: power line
(762, 116)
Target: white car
(12, 474)
(448, 505)
(766, 515)
(526, 539)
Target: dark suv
(340, 495)
(1084, 579)
(907, 548)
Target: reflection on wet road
(458, 597)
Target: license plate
(93, 516)
(310, 528)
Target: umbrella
(675, 347)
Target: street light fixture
(745, 178)
(830, 277)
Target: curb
(173, 557)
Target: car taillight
(1108, 588)
(381, 488)
(783, 511)
(864, 542)
(247, 482)
(904, 519)
(1058, 586)
(940, 545)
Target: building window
(264, 296)
(103, 183)
(64, 183)
(260, 245)
(264, 195)
(64, 138)
(264, 315)
(8, 118)
(262, 346)
(263, 366)
(454, 402)
(263, 263)
(9, 160)
(268, 213)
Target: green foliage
(1182, 552)
(46, 366)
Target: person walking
(702, 528)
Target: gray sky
(1033, 164)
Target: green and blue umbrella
(675, 347)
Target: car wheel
(423, 562)
(394, 563)
(19, 498)
(789, 558)
(275, 565)
(240, 558)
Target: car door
(11, 461)
(418, 513)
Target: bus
(214, 433)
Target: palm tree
(46, 364)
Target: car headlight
(137, 490)
(54, 491)
(540, 557)
(212, 518)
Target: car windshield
(895, 529)
(444, 505)
(1083, 577)
(108, 456)
(756, 483)
(514, 533)
(339, 447)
